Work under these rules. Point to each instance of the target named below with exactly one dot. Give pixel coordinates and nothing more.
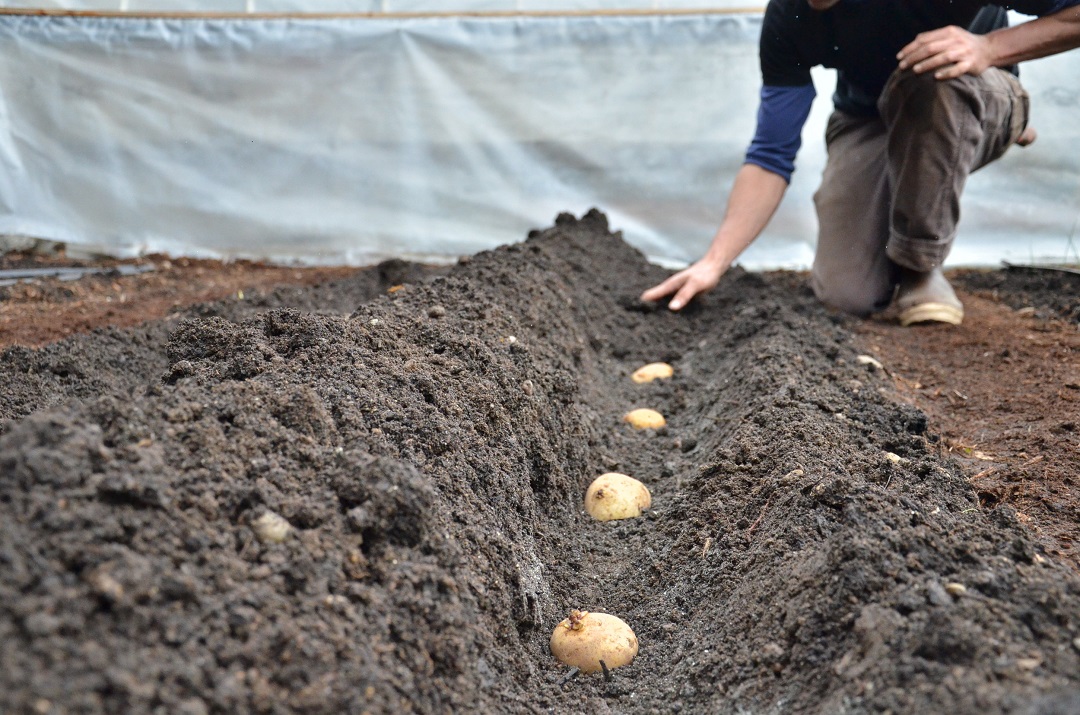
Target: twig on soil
(570, 675)
(757, 521)
(985, 472)
(607, 673)
(705, 549)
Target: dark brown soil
(431, 449)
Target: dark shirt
(858, 38)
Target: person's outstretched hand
(687, 283)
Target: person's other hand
(687, 283)
(949, 52)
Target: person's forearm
(1040, 37)
(753, 200)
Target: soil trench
(811, 547)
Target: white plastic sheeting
(331, 139)
(377, 6)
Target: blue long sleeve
(781, 115)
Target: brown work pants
(890, 193)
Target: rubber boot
(927, 298)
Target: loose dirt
(431, 447)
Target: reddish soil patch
(430, 448)
(45, 310)
(1003, 391)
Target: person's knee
(921, 84)
(857, 297)
(911, 96)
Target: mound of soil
(811, 547)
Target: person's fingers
(921, 47)
(669, 286)
(947, 40)
(954, 70)
(949, 53)
(920, 52)
(911, 47)
(684, 296)
(935, 55)
(1028, 137)
(945, 58)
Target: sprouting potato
(644, 418)
(652, 371)
(616, 496)
(584, 639)
(271, 528)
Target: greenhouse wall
(429, 130)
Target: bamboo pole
(628, 12)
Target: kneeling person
(926, 94)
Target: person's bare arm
(753, 201)
(950, 52)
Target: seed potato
(644, 418)
(652, 371)
(614, 496)
(584, 639)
